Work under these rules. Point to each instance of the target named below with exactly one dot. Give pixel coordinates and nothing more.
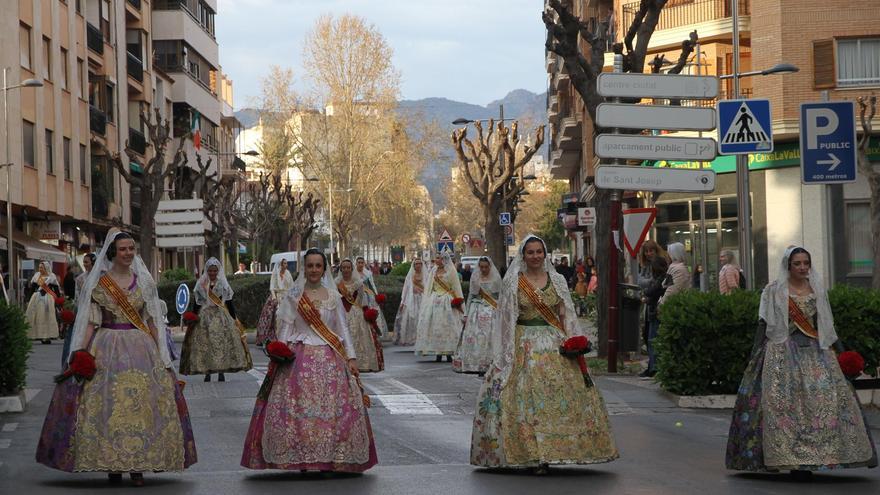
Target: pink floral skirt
(266, 323)
(309, 415)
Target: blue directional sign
(744, 127)
(828, 142)
(504, 218)
(181, 299)
(446, 247)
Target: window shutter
(824, 66)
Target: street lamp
(7, 163)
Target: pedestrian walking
(311, 411)
(474, 352)
(441, 312)
(795, 410)
(651, 297)
(216, 342)
(280, 283)
(678, 278)
(537, 406)
(407, 319)
(130, 415)
(363, 330)
(42, 316)
(729, 276)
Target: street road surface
(421, 417)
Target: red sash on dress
(800, 320)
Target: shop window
(858, 239)
(672, 212)
(728, 208)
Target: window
(28, 151)
(109, 100)
(83, 169)
(47, 59)
(81, 77)
(50, 161)
(105, 19)
(24, 39)
(66, 156)
(858, 238)
(858, 62)
(63, 69)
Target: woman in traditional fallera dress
(474, 353)
(364, 335)
(407, 320)
(216, 342)
(131, 415)
(88, 262)
(537, 407)
(795, 410)
(439, 323)
(371, 291)
(279, 285)
(41, 313)
(311, 414)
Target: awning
(33, 249)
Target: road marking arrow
(834, 162)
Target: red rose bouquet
(68, 316)
(371, 314)
(456, 302)
(190, 318)
(380, 298)
(59, 301)
(82, 367)
(851, 363)
(278, 351)
(575, 346)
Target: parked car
(471, 261)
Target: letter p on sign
(814, 129)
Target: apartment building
(835, 44)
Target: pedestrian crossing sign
(744, 127)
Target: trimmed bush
(176, 275)
(251, 292)
(706, 339)
(14, 349)
(401, 270)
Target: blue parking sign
(828, 142)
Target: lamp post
(7, 163)
(743, 202)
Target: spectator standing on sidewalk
(651, 296)
(729, 277)
(678, 278)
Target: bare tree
(156, 171)
(491, 166)
(867, 111)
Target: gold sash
(349, 300)
(312, 316)
(242, 332)
(124, 304)
(439, 282)
(548, 314)
(800, 320)
(41, 281)
(488, 298)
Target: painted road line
(400, 398)
(10, 427)
(5, 443)
(258, 372)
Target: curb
(13, 403)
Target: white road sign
(655, 117)
(657, 86)
(180, 223)
(634, 147)
(655, 179)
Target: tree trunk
(874, 182)
(497, 249)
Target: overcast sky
(474, 51)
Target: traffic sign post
(828, 142)
(655, 179)
(504, 218)
(633, 147)
(636, 85)
(446, 247)
(636, 224)
(744, 127)
(181, 303)
(655, 117)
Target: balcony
(550, 62)
(95, 39)
(686, 13)
(135, 3)
(137, 142)
(97, 121)
(564, 163)
(135, 67)
(568, 135)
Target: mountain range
(519, 103)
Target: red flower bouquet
(851, 363)
(68, 316)
(456, 302)
(278, 351)
(59, 301)
(575, 346)
(190, 318)
(380, 298)
(371, 314)
(82, 367)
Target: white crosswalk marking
(258, 372)
(10, 427)
(400, 398)
(5, 443)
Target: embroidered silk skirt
(406, 323)
(367, 347)
(310, 415)
(41, 317)
(439, 327)
(545, 414)
(213, 345)
(474, 353)
(266, 323)
(130, 417)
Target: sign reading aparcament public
(655, 148)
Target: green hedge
(251, 292)
(14, 349)
(705, 338)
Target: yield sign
(636, 223)
(444, 236)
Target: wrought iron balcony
(95, 39)
(97, 120)
(137, 142)
(135, 67)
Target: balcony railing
(678, 13)
(135, 67)
(137, 142)
(95, 39)
(97, 120)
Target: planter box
(13, 403)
